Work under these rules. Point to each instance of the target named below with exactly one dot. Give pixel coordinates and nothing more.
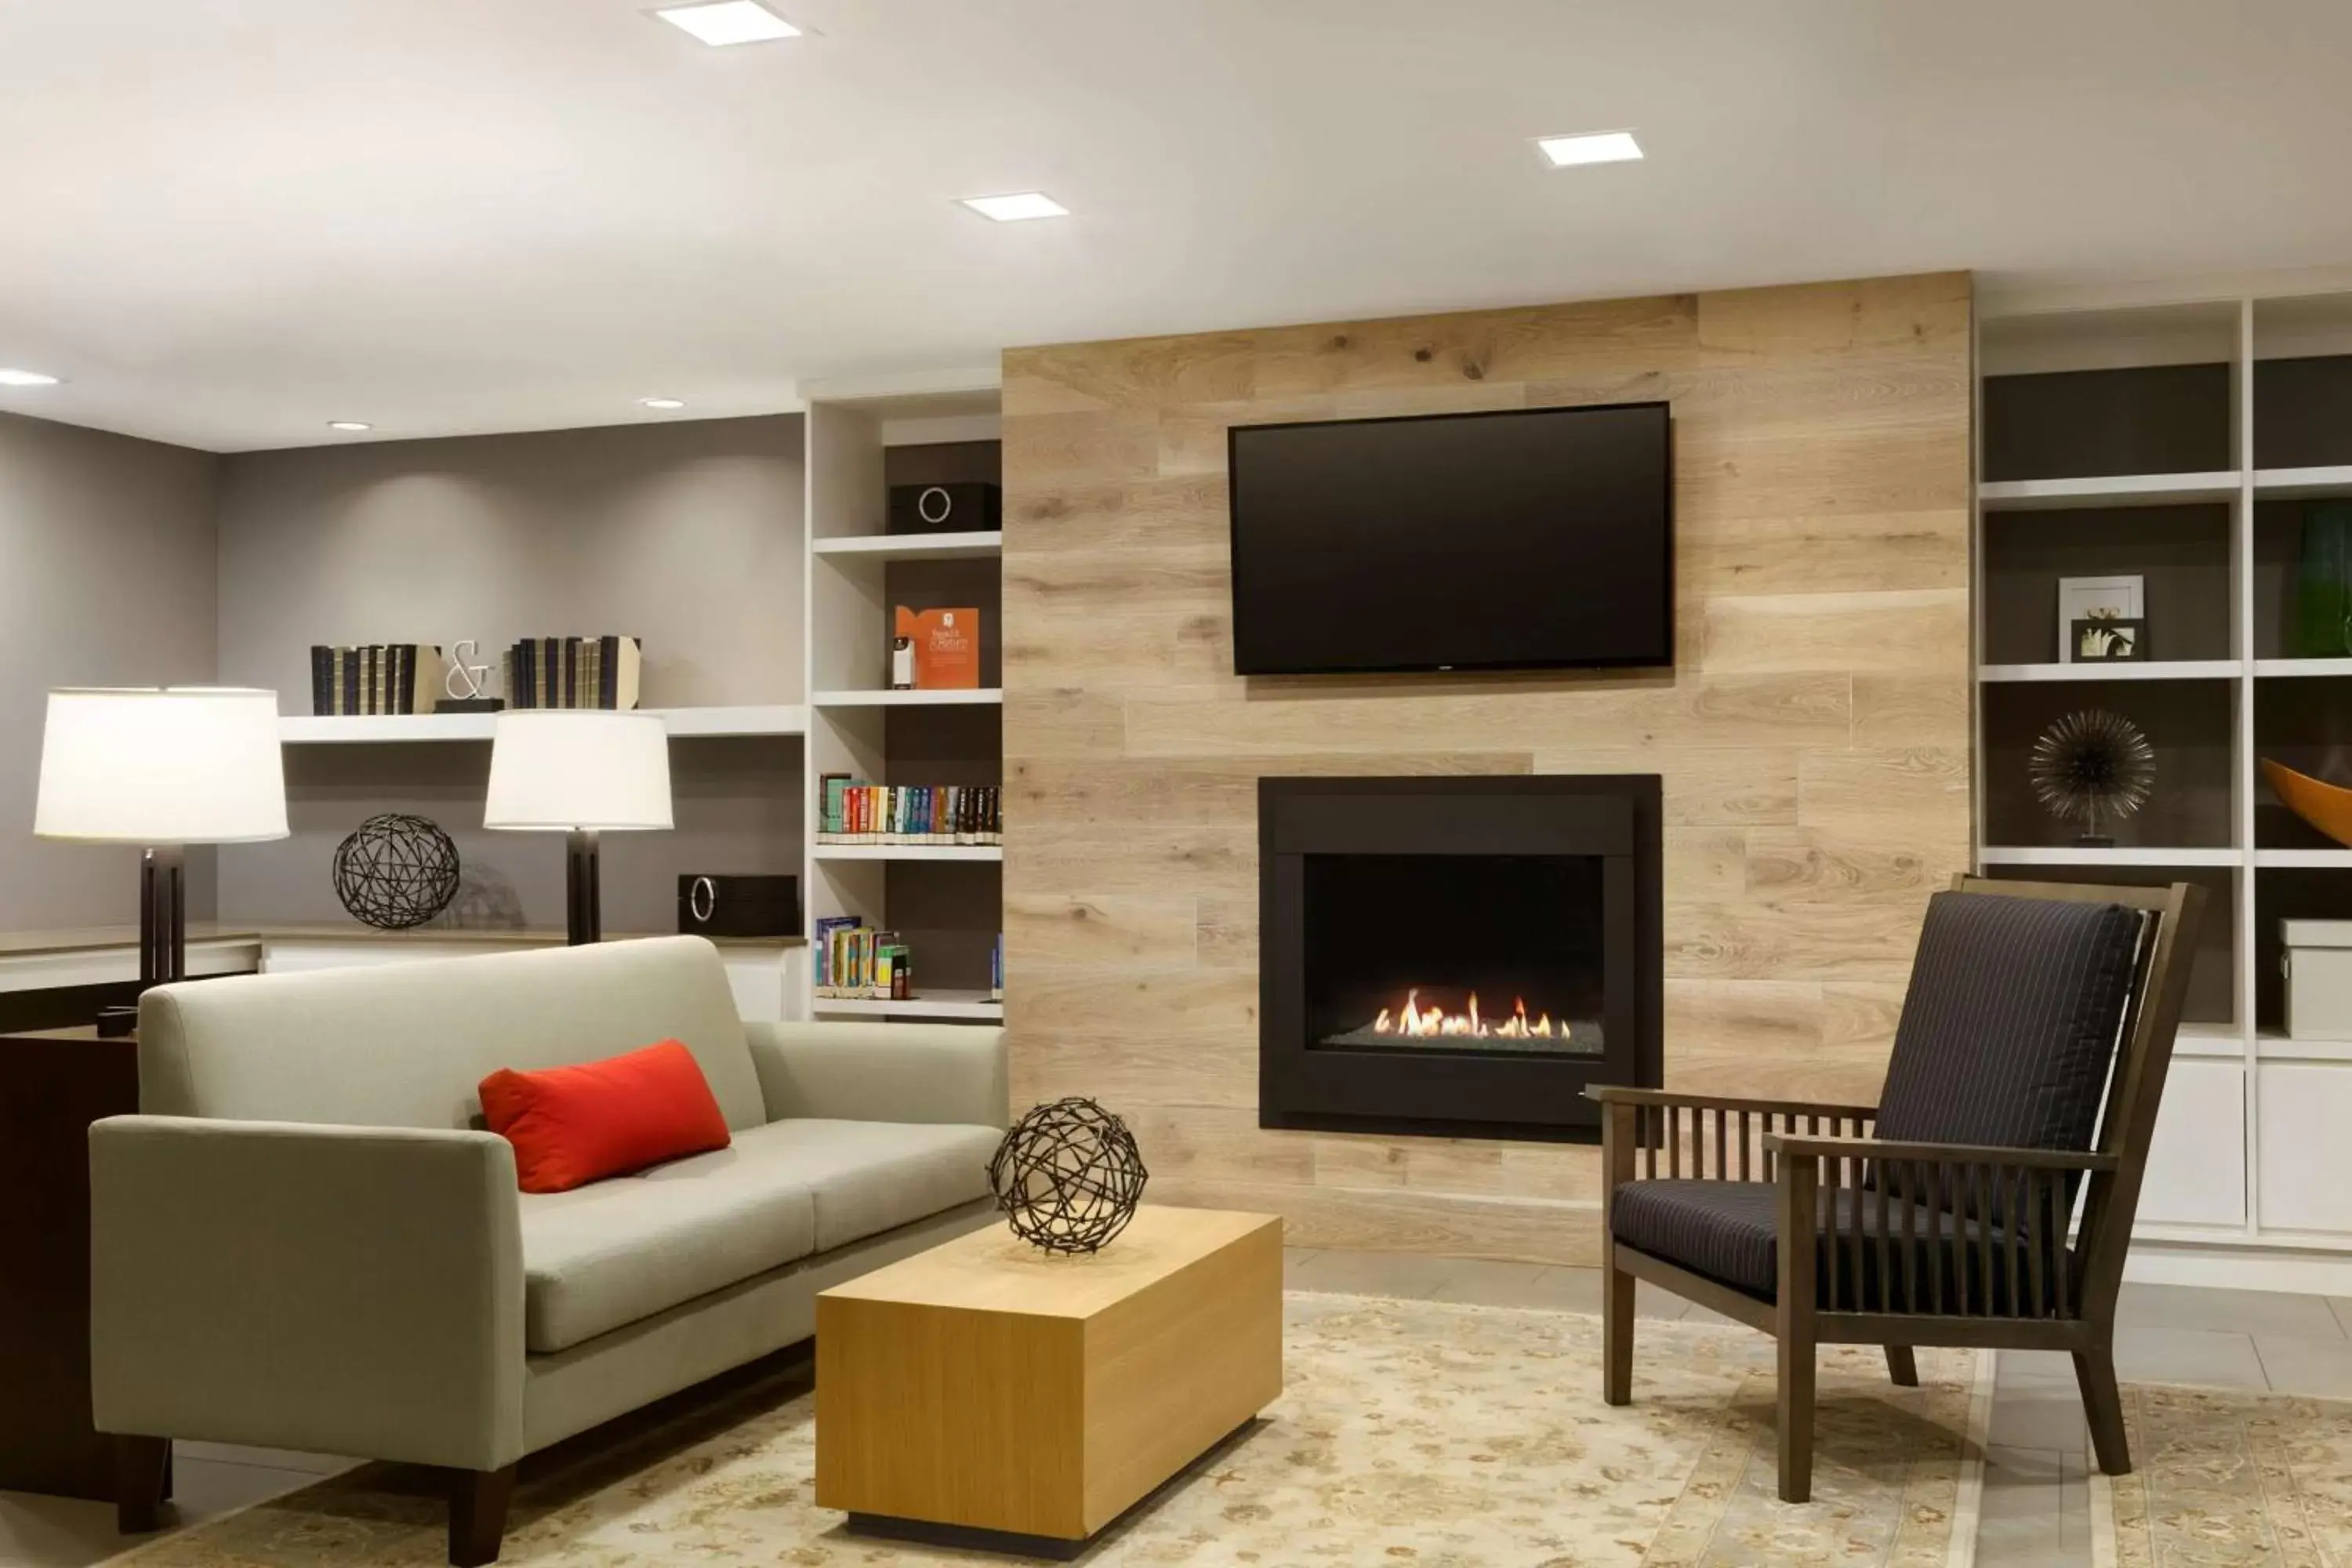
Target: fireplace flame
(1414, 1020)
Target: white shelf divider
(771, 718)
(969, 1006)
(2122, 489)
(2109, 854)
(2306, 667)
(907, 851)
(972, 546)
(2148, 669)
(2291, 484)
(2307, 859)
(985, 694)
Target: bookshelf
(767, 719)
(2182, 442)
(945, 899)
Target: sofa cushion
(403, 1045)
(866, 1177)
(603, 1256)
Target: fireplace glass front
(1454, 953)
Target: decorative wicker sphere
(397, 871)
(1068, 1176)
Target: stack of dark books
(379, 677)
(573, 672)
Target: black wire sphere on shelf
(1068, 1176)
(397, 871)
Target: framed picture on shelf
(2098, 599)
(2109, 639)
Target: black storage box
(738, 906)
(971, 507)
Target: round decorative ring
(923, 504)
(702, 899)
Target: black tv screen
(1520, 540)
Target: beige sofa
(306, 1242)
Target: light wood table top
(994, 1270)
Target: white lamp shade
(182, 765)
(555, 769)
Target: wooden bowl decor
(1068, 1176)
(2327, 806)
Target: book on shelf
(996, 969)
(852, 812)
(374, 679)
(854, 962)
(946, 646)
(573, 672)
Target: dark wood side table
(53, 1084)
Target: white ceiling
(229, 221)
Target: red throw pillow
(574, 1125)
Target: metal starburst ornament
(2093, 767)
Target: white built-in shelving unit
(947, 898)
(2219, 439)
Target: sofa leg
(1902, 1366)
(142, 1480)
(478, 1515)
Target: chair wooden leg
(1794, 1303)
(142, 1470)
(1796, 1417)
(1617, 1337)
(1902, 1366)
(478, 1515)
(2102, 1408)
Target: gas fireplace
(1456, 956)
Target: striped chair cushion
(1729, 1231)
(2011, 1022)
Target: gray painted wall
(686, 534)
(107, 578)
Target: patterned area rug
(2225, 1480)
(1410, 1433)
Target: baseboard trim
(2240, 1267)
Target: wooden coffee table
(989, 1393)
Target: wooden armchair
(1947, 1214)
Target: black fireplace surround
(1456, 957)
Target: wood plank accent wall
(1813, 736)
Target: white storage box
(2318, 963)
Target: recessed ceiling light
(25, 378)
(1604, 147)
(348, 425)
(661, 402)
(726, 22)
(1016, 208)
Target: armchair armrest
(1621, 1094)
(1805, 1147)
(883, 1072)
(332, 1289)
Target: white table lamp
(579, 772)
(161, 769)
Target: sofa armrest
(883, 1072)
(351, 1290)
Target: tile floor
(2037, 1498)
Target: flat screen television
(1524, 539)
